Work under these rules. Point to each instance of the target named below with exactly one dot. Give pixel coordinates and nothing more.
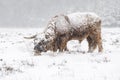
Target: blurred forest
(36, 13)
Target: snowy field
(17, 61)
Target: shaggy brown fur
(63, 28)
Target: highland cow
(75, 26)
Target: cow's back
(85, 18)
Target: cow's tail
(31, 37)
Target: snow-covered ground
(17, 61)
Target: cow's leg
(55, 46)
(80, 41)
(89, 39)
(66, 49)
(91, 43)
(100, 47)
(99, 39)
(63, 44)
(94, 41)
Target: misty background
(37, 13)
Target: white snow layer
(17, 61)
(81, 18)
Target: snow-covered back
(82, 18)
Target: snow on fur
(79, 19)
(75, 26)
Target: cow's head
(42, 44)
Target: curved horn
(31, 37)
